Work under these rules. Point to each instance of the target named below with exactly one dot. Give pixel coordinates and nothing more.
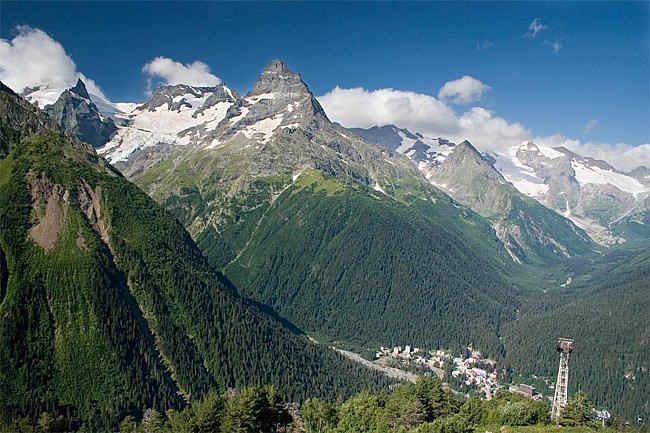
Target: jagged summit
(178, 96)
(75, 113)
(80, 89)
(529, 145)
(277, 79)
(282, 89)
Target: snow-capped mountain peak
(174, 115)
(590, 192)
(181, 115)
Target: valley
(198, 246)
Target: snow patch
(550, 152)
(242, 114)
(213, 145)
(596, 175)
(253, 99)
(407, 142)
(520, 175)
(128, 140)
(265, 127)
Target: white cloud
(488, 132)
(591, 124)
(421, 113)
(363, 108)
(555, 46)
(193, 74)
(33, 58)
(431, 117)
(484, 45)
(620, 155)
(463, 90)
(534, 28)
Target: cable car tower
(564, 347)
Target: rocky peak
(642, 174)
(529, 146)
(465, 159)
(80, 89)
(586, 160)
(76, 114)
(174, 96)
(276, 79)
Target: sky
(574, 74)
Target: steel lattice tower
(564, 347)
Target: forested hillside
(607, 313)
(340, 259)
(107, 306)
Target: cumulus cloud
(33, 58)
(172, 72)
(421, 113)
(463, 90)
(534, 28)
(363, 108)
(620, 155)
(489, 132)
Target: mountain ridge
(583, 181)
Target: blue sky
(570, 73)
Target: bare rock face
(77, 114)
(277, 88)
(174, 97)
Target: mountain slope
(280, 198)
(108, 307)
(606, 313)
(345, 262)
(530, 231)
(612, 207)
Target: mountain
(530, 232)
(612, 207)
(349, 241)
(107, 307)
(427, 153)
(19, 120)
(148, 132)
(343, 238)
(76, 114)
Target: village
(473, 371)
